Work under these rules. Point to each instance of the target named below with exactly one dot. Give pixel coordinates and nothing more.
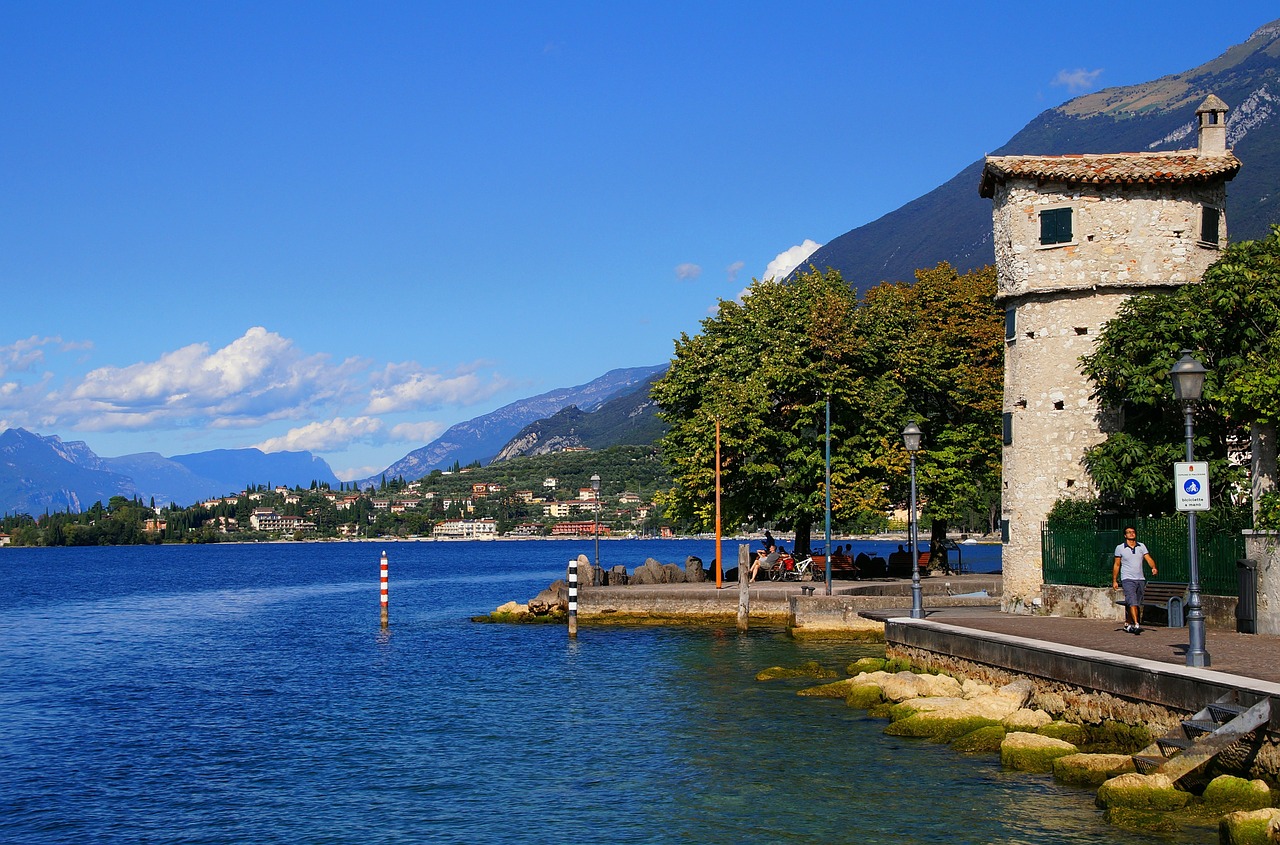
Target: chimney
(1211, 118)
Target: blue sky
(343, 227)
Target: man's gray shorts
(1133, 592)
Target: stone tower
(1075, 236)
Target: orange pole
(719, 569)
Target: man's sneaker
(1137, 629)
(1128, 629)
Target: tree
(1231, 321)
(932, 351)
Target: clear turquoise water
(246, 694)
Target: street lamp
(1188, 383)
(595, 487)
(911, 439)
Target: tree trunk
(804, 527)
(1263, 461)
(938, 548)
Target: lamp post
(1188, 384)
(828, 491)
(595, 487)
(911, 439)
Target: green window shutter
(1055, 226)
(1007, 425)
(1010, 323)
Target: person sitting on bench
(767, 561)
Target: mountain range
(952, 223)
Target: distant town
(460, 503)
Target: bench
(1169, 596)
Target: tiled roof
(1109, 169)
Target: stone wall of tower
(1125, 240)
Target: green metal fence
(1083, 555)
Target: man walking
(1126, 574)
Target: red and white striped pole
(385, 597)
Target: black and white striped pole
(573, 598)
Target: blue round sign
(1192, 486)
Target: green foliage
(1070, 512)
(765, 367)
(1231, 320)
(1268, 518)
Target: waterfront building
(1075, 236)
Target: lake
(247, 694)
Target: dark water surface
(246, 694)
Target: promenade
(961, 622)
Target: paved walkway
(1249, 655)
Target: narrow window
(1210, 219)
(1008, 428)
(1055, 226)
(1010, 324)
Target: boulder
(1091, 769)
(940, 729)
(940, 686)
(1065, 731)
(511, 608)
(972, 689)
(552, 599)
(1141, 792)
(1032, 752)
(1019, 691)
(983, 739)
(1027, 720)
(808, 669)
(693, 571)
(864, 696)
(1250, 827)
(915, 706)
(1227, 794)
(617, 577)
(652, 572)
(835, 689)
(865, 664)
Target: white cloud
(259, 376)
(333, 435)
(688, 272)
(407, 387)
(1078, 80)
(733, 270)
(789, 259)
(23, 355)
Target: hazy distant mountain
(235, 469)
(480, 439)
(39, 474)
(953, 223)
(628, 419)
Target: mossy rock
(808, 669)
(1247, 827)
(1146, 821)
(983, 739)
(865, 664)
(879, 711)
(1228, 794)
(940, 730)
(897, 664)
(1091, 769)
(1032, 752)
(1142, 792)
(864, 697)
(1116, 737)
(1065, 731)
(835, 689)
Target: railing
(1083, 556)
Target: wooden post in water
(573, 598)
(744, 586)
(385, 597)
